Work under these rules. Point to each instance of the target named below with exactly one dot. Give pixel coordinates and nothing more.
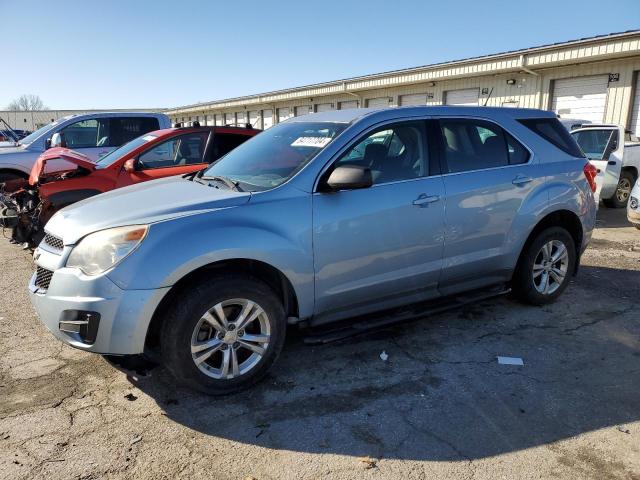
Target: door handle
(521, 180)
(424, 200)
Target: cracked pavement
(439, 407)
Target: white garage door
(466, 97)
(582, 97)
(349, 104)
(283, 114)
(241, 118)
(219, 119)
(413, 99)
(254, 119)
(303, 110)
(635, 112)
(382, 102)
(324, 107)
(267, 119)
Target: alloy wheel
(230, 338)
(624, 190)
(550, 267)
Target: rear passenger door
(488, 174)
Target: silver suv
(321, 218)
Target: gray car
(321, 218)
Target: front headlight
(99, 251)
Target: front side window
(392, 153)
(90, 133)
(593, 142)
(182, 150)
(275, 155)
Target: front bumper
(124, 315)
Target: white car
(633, 207)
(92, 134)
(616, 155)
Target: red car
(158, 154)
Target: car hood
(59, 153)
(144, 203)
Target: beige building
(592, 79)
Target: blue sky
(121, 54)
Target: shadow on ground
(441, 395)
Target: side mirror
(56, 140)
(130, 165)
(350, 177)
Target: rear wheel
(223, 336)
(623, 191)
(545, 267)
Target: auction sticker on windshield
(316, 142)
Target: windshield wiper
(231, 184)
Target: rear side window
(125, 129)
(223, 143)
(470, 144)
(553, 132)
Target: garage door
(413, 99)
(349, 104)
(324, 107)
(219, 119)
(284, 113)
(229, 118)
(467, 97)
(635, 111)
(582, 97)
(241, 118)
(254, 119)
(303, 110)
(267, 119)
(382, 102)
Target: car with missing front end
(157, 154)
(322, 218)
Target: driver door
(381, 246)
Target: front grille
(43, 278)
(53, 241)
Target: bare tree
(27, 102)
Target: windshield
(275, 155)
(33, 136)
(120, 152)
(593, 142)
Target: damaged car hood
(59, 153)
(143, 203)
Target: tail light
(590, 172)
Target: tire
(531, 290)
(621, 196)
(189, 324)
(6, 176)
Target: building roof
(512, 60)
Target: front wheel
(223, 335)
(545, 267)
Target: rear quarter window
(553, 132)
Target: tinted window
(517, 153)
(552, 131)
(223, 143)
(185, 149)
(393, 153)
(126, 129)
(473, 145)
(87, 134)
